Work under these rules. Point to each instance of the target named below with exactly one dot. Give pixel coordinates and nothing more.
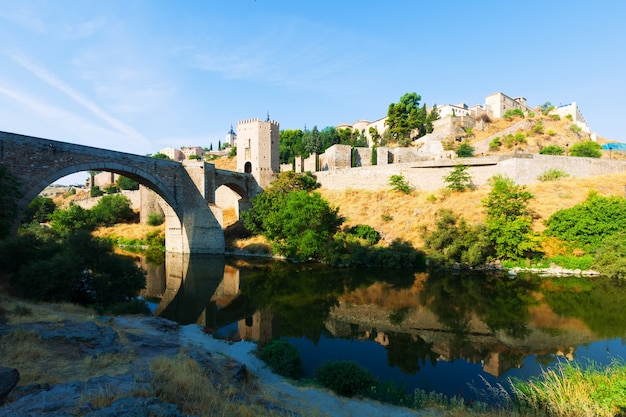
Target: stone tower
(257, 149)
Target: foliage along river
(448, 332)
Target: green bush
(95, 191)
(346, 378)
(125, 183)
(589, 223)
(459, 179)
(610, 258)
(495, 143)
(282, 358)
(111, 189)
(112, 209)
(552, 150)
(365, 232)
(399, 183)
(465, 150)
(511, 113)
(552, 174)
(555, 117)
(589, 149)
(155, 219)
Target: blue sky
(137, 76)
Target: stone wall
(429, 175)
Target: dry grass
(128, 230)
(397, 215)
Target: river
(454, 333)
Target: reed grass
(572, 390)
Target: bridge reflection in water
(487, 325)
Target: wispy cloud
(84, 29)
(25, 18)
(56, 83)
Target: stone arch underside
(38, 162)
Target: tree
(297, 223)
(329, 137)
(290, 145)
(407, 121)
(10, 186)
(39, 210)
(459, 179)
(125, 183)
(112, 209)
(160, 155)
(610, 258)
(589, 149)
(454, 241)
(509, 220)
(312, 141)
(72, 219)
(399, 183)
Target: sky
(141, 75)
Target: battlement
(274, 123)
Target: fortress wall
(429, 176)
(363, 157)
(309, 164)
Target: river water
(452, 333)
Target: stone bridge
(186, 190)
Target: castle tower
(257, 149)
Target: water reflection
(418, 320)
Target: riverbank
(73, 362)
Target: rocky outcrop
(9, 377)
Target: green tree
(10, 186)
(312, 141)
(125, 183)
(610, 258)
(399, 183)
(329, 137)
(589, 149)
(160, 155)
(69, 221)
(459, 179)
(297, 223)
(407, 121)
(290, 145)
(454, 241)
(509, 220)
(39, 210)
(112, 209)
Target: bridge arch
(188, 189)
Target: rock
(241, 374)
(138, 407)
(9, 377)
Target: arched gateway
(188, 188)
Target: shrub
(365, 232)
(555, 117)
(552, 150)
(551, 132)
(569, 117)
(346, 378)
(538, 128)
(589, 223)
(112, 209)
(282, 358)
(459, 179)
(589, 149)
(399, 183)
(510, 140)
(511, 113)
(610, 258)
(552, 174)
(465, 150)
(155, 219)
(111, 189)
(495, 143)
(95, 191)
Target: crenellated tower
(257, 149)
